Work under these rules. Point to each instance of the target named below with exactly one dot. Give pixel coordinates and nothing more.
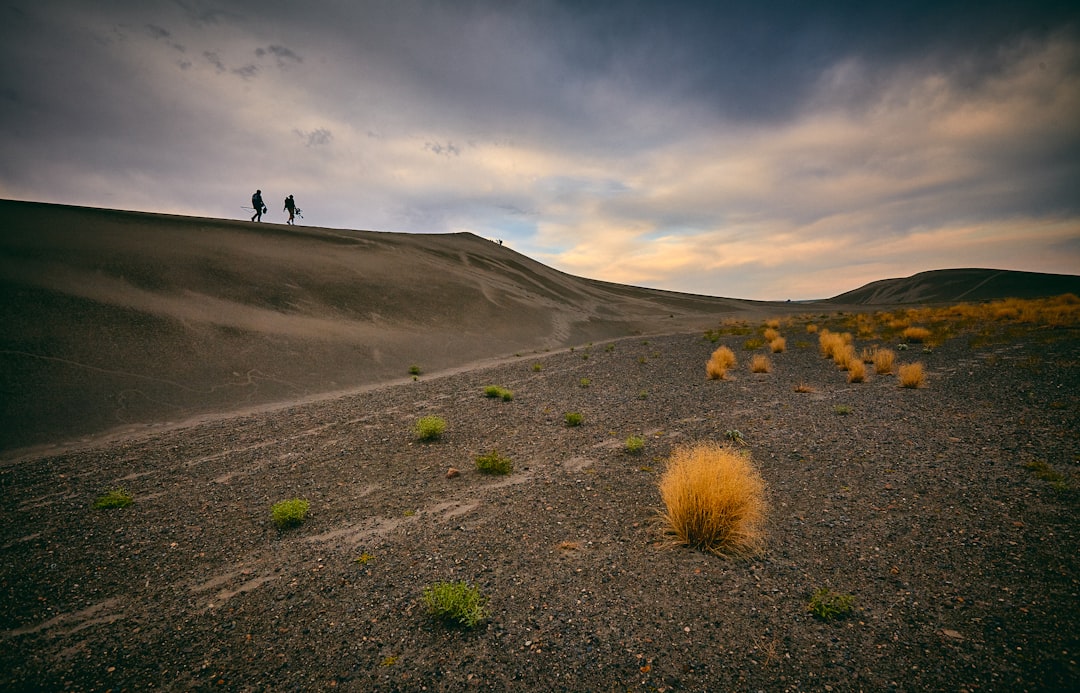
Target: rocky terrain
(947, 512)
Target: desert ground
(945, 512)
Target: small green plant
(116, 498)
(414, 370)
(753, 343)
(1044, 471)
(585, 382)
(498, 392)
(494, 463)
(644, 394)
(363, 558)
(389, 661)
(828, 605)
(409, 513)
(455, 604)
(635, 444)
(573, 418)
(289, 513)
(430, 427)
(537, 367)
(842, 409)
(735, 436)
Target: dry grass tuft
(856, 371)
(721, 360)
(916, 334)
(714, 500)
(911, 375)
(803, 387)
(778, 345)
(760, 364)
(883, 361)
(844, 356)
(811, 328)
(770, 334)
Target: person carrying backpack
(257, 204)
(290, 207)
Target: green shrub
(414, 370)
(289, 513)
(573, 418)
(842, 409)
(430, 427)
(635, 444)
(455, 604)
(494, 463)
(497, 392)
(537, 367)
(828, 605)
(116, 498)
(585, 382)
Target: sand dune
(118, 319)
(961, 285)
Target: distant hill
(124, 319)
(957, 285)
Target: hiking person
(257, 203)
(290, 207)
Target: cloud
(725, 148)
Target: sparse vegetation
(585, 382)
(856, 371)
(714, 500)
(760, 364)
(455, 604)
(911, 375)
(883, 361)
(289, 513)
(721, 360)
(498, 392)
(915, 334)
(828, 605)
(803, 387)
(842, 409)
(573, 418)
(753, 343)
(430, 427)
(116, 498)
(778, 345)
(770, 334)
(537, 367)
(634, 444)
(494, 463)
(414, 370)
(1043, 470)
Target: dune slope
(114, 319)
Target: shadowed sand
(117, 320)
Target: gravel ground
(925, 505)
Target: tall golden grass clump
(721, 360)
(714, 500)
(856, 371)
(883, 361)
(916, 334)
(774, 323)
(760, 364)
(831, 343)
(811, 328)
(911, 375)
(844, 356)
(778, 345)
(770, 334)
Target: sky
(757, 150)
